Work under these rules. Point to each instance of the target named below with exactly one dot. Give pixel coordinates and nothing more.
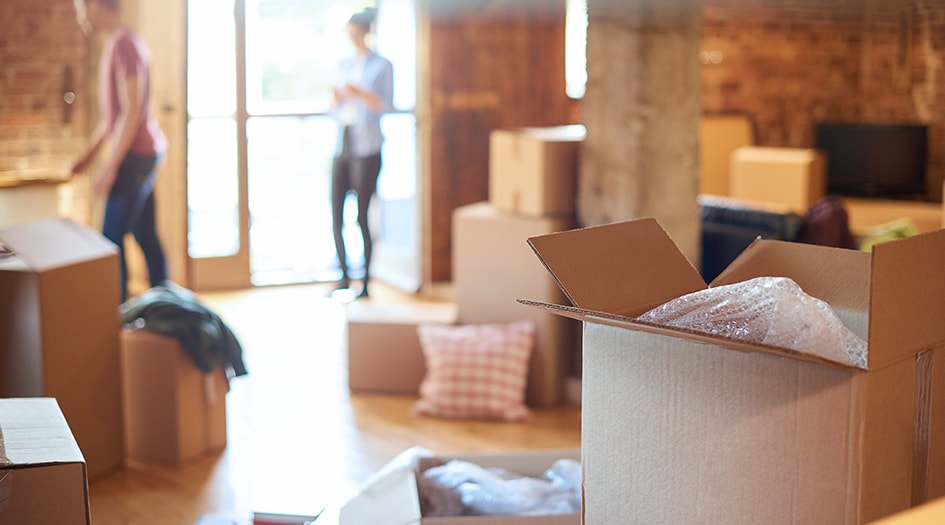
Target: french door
(259, 144)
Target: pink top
(125, 55)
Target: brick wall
(43, 55)
(787, 63)
(790, 63)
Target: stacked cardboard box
(532, 179)
(492, 267)
(681, 426)
(59, 324)
(42, 471)
(533, 171)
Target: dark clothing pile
(174, 311)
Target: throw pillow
(475, 371)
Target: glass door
(260, 143)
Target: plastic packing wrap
(768, 310)
(462, 488)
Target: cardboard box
(391, 497)
(791, 176)
(492, 267)
(59, 324)
(719, 136)
(174, 413)
(384, 352)
(684, 427)
(533, 171)
(42, 471)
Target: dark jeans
(130, 209)
(358, 175)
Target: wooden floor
(297, 439)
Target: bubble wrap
(768, 310)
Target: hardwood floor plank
(296, 437)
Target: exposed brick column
(642, 109)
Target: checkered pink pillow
(475, 371)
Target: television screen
(874, 160)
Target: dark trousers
(130, 209)
(358, 175)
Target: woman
(363, 92)
(131, 135)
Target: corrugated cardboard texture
(174, 413)
(492, 267)
(682, 432)
(42, 472)
(935, 479)
(60, 336)
(384, 351)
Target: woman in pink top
(131, 135)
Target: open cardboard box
(685, 427)
(42, 472)
(391, 497)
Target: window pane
(397, 41)
(575, 53)
(289, 177)
(397, 184)
(292, 49)
(211, 58)
(212, 188)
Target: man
(130, 135)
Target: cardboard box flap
(898, 285)
(624, 268)
(55, 243)
(391, 498)
(837, 276)
(34, 432)
(907, 297)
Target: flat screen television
(885, 161)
